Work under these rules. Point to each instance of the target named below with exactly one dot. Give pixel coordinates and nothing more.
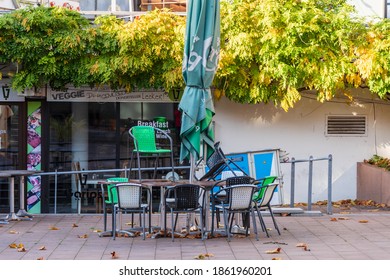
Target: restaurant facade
(50, 131)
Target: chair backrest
(228, 173)
(186, 196)
(129, 195)
(263, 183)
(111, 190)
(239, 180)
(268, 193)
(144, 138)
(240, 196)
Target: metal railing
(311, 160)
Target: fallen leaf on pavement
(343, 218)
(203, 256)
(97, 230)
(200, 257)
(40, 258)
(114, 255)
(276, 251)
(74, 225)
(20, 245)
(53, 228)
(344, 213)
(83, 236)
(13, 232)
(276, 259)
(22, 249)
(304, 246)
(363, 221)
(42, 248)
(13, 246)
(333, 219)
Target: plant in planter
(373, 180)
(379, 161)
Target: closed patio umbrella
(201, 54)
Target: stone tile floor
(353, 235)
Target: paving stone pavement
(357, 235)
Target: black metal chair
(131, 200)
(265, 204)
(239, 201)
(219, 196)
(184, 198)
(217, 163)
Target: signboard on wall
(105, 94)
(7, 94)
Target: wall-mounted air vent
(346, 125)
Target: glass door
(9, 148)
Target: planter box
(373, 183)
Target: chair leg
(273, 219)
(165, 221)
(131, 163)
(225, 218)
(201, 223)
(143, 223)
(113, 219)
(231, 218)
(150, 219)
(254, 224)
(212, 221)
(261, 220)
(172, 221)
(114, 223)
(172, 164)
(139, 166)
(105, 215)
(155, 167)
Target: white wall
(369, 8)
(301, 133)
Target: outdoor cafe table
(163, 184)
(11, 174)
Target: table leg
(22, 212)
(11, 187)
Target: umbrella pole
(192, 168)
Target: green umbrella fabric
(201, 55)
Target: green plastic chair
(262, 183)
(112, 196)
(145, 143)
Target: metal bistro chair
(130, 200)
(112, 197)
(184, 198)
(265, 204)
(218, 163)
(263, 182)
(239, 201)
(144, 138)
(219, 196)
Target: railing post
(292, 182)
(330, 208)
(310, 183)
(55, 192)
